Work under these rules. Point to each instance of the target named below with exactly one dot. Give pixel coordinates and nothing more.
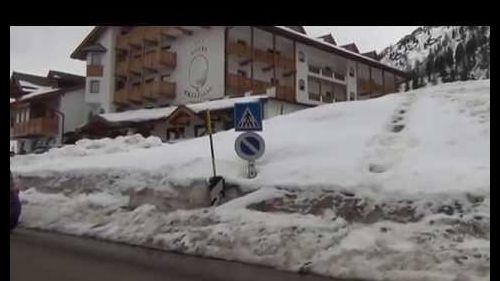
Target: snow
(222, 103)
(393, 188)
(159, 113)
(34, 89)
(139, 115)
(86, 147)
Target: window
(302, 57)
(302, 85)
(95, 59)
(94, 86)
(351, 71)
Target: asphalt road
(43, 256)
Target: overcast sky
(36, 49)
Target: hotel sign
(198, 71)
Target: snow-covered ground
(393, 188)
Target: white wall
(107, 82)
(201, 57)
(75, 109)
(352, 85)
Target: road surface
(43, 256)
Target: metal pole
(209, 125)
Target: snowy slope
(330, 144)
(394, 188)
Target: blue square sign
(248, 116)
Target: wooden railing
(369, 87)
(148, 91)
(42, 126)
(121, 68)
(285, 93)
(239, 49)
(261, 56)
(139, 34)
(157, 59)
(120, 96)
(238, 83)
(94, 70)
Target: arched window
(302, 85)
(302, 56)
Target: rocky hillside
(435, 54)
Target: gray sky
(36, 49)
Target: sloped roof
(328, 38)
(351, 47)
(90, 39)
(297, 28)
(152, 114)
(371, 54)
(25, 86)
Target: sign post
(215, 183)
(249, 145)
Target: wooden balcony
(42, 126)
(134, 94)
(239, 50)
(121, 68)
(264, 57)
(238, 83)
(158, 59)
(261, 86)
(94, 70)
(158, 89)
(135, 65)
(285, 93)
(136, 36)
(165, 89)
(286, 63)
(120, 96)
(369, 87)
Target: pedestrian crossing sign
(248, 116)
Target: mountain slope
(434, 54)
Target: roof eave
(78, 53)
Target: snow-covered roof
(140, 115)
(222, 103)
(34, 90)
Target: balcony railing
(285, 93)
(94, 70)
(135, 65)
(120, 96)
(42, 126)
(288, 64)
(157, 59)
(158, 89)
(239, 49)
(135, 94)
(238, 83)
(121, 68)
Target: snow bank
(394, 188)
(87, 147)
